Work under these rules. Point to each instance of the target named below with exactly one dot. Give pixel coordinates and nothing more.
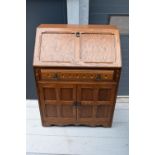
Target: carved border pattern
(77, 76)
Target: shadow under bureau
(77, 70)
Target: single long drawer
(77, 75)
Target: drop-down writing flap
(81, 46)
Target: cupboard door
(95, 102)
(57, 102)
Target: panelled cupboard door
(95, 102)
(57, 101)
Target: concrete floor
(77, 140)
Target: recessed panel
(67, 111)
(103, 111)
(66, 94)
(104, 94)
(86, 111)
(87, 94)
(49, 93)
(57, 48)
(97, 48)
(51, 110)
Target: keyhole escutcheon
(77, 34)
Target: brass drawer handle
(105, 76)
(98, 77)
(55, 77)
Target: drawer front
(77, 75)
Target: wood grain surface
(76, 45)
(77, 71)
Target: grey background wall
(55, 11)
(37, 12)
(99, 12)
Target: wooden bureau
(77, 70)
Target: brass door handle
(76, 104)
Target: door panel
(103, 111)
(97, 48)
(104, 94)
(49, 93)
(57, 101)
(95, 102)
(57, 47)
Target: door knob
(78, 104)
(74, 104)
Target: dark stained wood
(77, 75)
(95, 102)
(58, 101)
(77, 95)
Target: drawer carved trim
(107, 75)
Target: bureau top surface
(63, 45)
